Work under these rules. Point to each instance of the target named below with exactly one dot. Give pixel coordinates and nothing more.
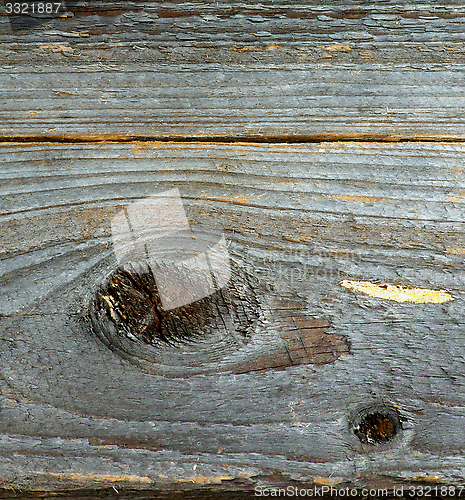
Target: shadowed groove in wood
(249, 139)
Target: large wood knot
(128, 316)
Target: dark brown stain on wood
(132, 303)
(356, 13)
(306, 341)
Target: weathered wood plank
(298, 219)
(274, 406)
(216, 70)
(210, 21)
(255, 103)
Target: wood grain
(326, 142)
(299, 219)
(269, 72)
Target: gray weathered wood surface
(86, 123)
(280, 71)
(299, 218)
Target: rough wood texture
(277, 71)
(299, 218)
(275, 403)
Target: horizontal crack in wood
(259, 139)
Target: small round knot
(377, 424)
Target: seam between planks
(272, 139)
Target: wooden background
(326, 141)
